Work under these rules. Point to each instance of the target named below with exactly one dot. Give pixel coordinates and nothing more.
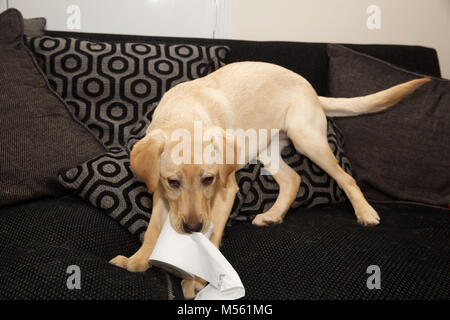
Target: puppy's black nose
(192, 227)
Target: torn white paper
(189, 255)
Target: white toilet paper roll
(187, 255)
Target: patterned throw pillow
(108, 183)
(257, 193)
(111, 86)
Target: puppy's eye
(207, 181)
(174, 183)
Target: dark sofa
(317, 253)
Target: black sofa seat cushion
(41, 239)
(317, 253)
(322, 253)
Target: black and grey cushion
(257, 193)
(111, 86)
(108, 183)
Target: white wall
(178, 18)
(411, 22)
(2, 5)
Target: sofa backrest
(306, 58)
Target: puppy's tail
(376, 102)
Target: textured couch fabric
(408, 158)
(38, 136)
(322, 253)
(41, 239)
(34, 27)
(317, 253)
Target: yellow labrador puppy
(244, 95)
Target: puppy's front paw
(368, 217)
(119, 261)
(265, 220)
(192, 286)
(133, 264)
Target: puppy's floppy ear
(145, 158)
(227, 149)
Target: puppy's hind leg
(288, 181)
(310, 139)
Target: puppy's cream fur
(246, 95)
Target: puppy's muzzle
(189, 227)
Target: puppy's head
(188, 185)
